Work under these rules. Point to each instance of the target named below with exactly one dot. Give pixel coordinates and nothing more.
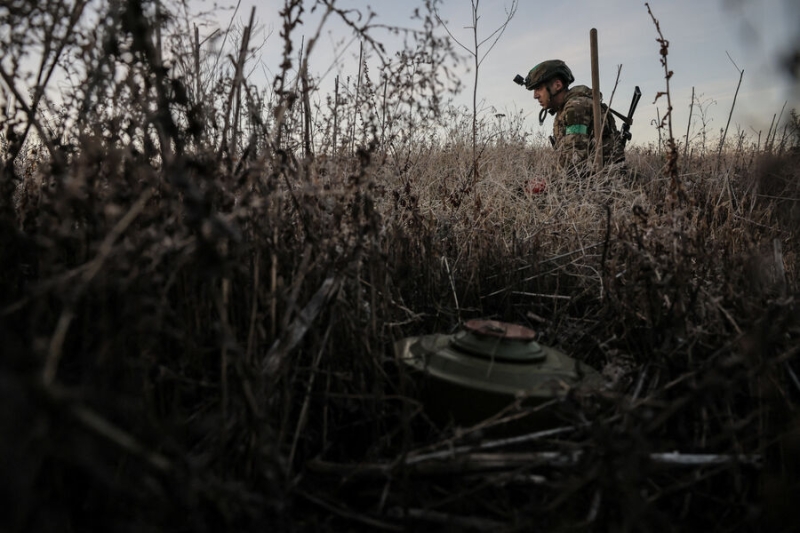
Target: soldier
(573, 129)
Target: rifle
(625, 134)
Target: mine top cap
(501, 330)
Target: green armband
(577, 129)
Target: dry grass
(198, 335)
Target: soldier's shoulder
(577, 110)
(579, 97)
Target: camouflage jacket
(573, 131)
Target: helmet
(546, 71)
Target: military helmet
(546, 71)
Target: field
(202, 280)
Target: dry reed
(199, 297)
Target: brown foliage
(197, 333)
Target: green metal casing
(473, 374)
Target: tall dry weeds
(197, 316)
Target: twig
(501, 443)
(225, 35)
(30, 112)
(539, 295)
(767, 147)
(477, 58)
(274, 358)
(703, 459)
(251, 335)
(56, 344)
(356, 107)
(792, 375)
(42, 82)
(90, 270)
(730, 115)
(452, 285)
(688, 127)
(345, 513)
(606, 240)
(106, 246)
(777, 121)
(112, 433)
(594, 509)
(303, 418)
(468, 523)
(672, 150)
(640, 382)
(477, 463)
(238, 79)
(777, 261)
(222, 297)
(722, 310)
(583, 250)
(196, 56)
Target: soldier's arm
(573, 147)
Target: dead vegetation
(199, 298)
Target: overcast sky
(710, 41)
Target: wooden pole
(598, 119)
